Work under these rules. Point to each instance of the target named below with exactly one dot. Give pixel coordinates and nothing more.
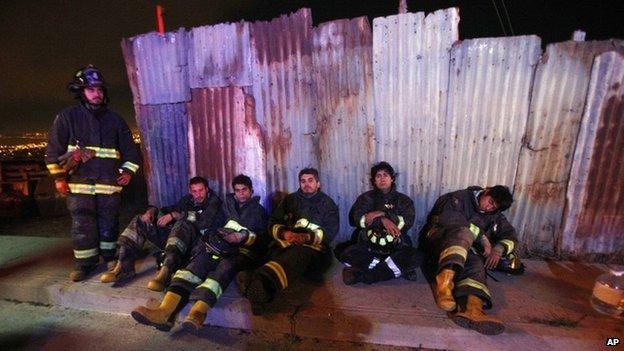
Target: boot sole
(190, 327)
(143, 320)
(484, 327)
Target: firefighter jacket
(103, 132)
(316, 214)
(250, 217)
(397, 207)
(461, 209)
(205, 216)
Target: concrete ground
(545, 309)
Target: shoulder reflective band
(213, 286)
(509, 245)
(401, 223)
(475, 284)
(234, 225)
(108, 245)
(93, 189)
(54, 168)
(474, 229)
(453, 250)
(100, 152)
(187, 276)
(278, 270)
(81, 254)
(131, 166)
(177, 242)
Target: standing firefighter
(238, 244)
(466, 233)
(302, 226)
(382, 217)
(91, 156)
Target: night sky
(44, 42)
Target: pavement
(547, 308)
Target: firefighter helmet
(379, 239)
(215, 242)
(510, 264)
(88, 76)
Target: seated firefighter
(302, 226)
(466, 233)
(239, 244)
(382, 249)
(177, 231)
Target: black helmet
(88, 76)
(379, 239)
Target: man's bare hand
(124, 178)
(391, 228)
(164, 220)
(370, 216)
(295, 238)
(492, 260)
(61, 186)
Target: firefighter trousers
(207, 276)
(182, 244)
(376, 266)
(138, 236)
(95, 227)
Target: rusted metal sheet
(488, 106)
(282, 89)
(557, 101)
(595, 213)
(160, 68)
(225, 139)
(344, 111)
(220, 56)
(163, 130)
(411, 55)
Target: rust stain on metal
(603, 213)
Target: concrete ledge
(545, 309)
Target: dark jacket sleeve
(129, 153)
(58, 139)
(505, 236)
(331, 220)
(363, 204)
(452, 214)
(212, 216)
(276, 220)
(407, 212)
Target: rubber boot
(243, 278)
(473, 317)
(117, 273)
(196, 316)
(161, 317)
(80, 273)
(259, 292)
(161, 281)
(351, 276)
(443, 290)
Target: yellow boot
(473, 317)
(111, 275)
(443, 290)
(196, 316)
(161, 317)
(160, 282)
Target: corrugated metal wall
(282, 89)
(220, 56)
(557, 102)
(595, 221)
(164, 142)
(411, 66)
(270, 98)
(343, 86)
(487, 110)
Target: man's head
(198, 188)
(243, 188)
(382, 176)
(496, 198)
(89, 86)
(309, 181)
